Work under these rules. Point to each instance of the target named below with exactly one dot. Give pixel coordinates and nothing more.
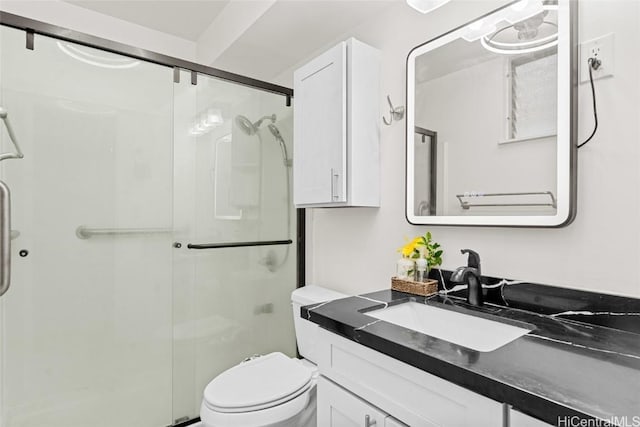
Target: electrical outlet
(602, 49)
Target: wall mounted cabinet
(336, 128)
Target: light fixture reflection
(111, 61)
(522, 10)
(525, 36)
(206, 121)
(517, 12)
(525, 18)
(213, 118)
(426, 6)
(478, 29)
(516, 50)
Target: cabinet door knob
(368, 422)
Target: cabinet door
(339, 408)
(319, 133)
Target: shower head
(251, 128)
(275, 131)
(278, 136)
(245, 125)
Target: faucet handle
(473, 260)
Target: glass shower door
(86, 327)
(232, 198)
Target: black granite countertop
(587, 368)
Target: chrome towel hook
(12, 136)
(397, 113)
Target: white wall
(87, 21)
(354, 250)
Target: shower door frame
(32, 27)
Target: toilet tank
(305, 330)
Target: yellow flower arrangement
(430, 250)
(411, 248)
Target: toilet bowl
(273, 389)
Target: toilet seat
(261, 383)
(265, 405)
(265, 417)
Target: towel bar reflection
(84, 232)
(466, 204)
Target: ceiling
(182, 18)
(291, 31)
(454, 56)
(257, 38)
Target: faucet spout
(470, 276)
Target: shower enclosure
(153, 241)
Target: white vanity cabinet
(336, 160)
(396, 389)
(338, 407)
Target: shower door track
(32, 27)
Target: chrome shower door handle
(5, 238)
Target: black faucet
(470, 275)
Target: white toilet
(274, 389)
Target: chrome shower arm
(271, 117)
(12, 136)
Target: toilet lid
(257, 384)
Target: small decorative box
(417, 288)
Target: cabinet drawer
(407, 393)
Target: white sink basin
(468, 331)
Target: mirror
(490, 120)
